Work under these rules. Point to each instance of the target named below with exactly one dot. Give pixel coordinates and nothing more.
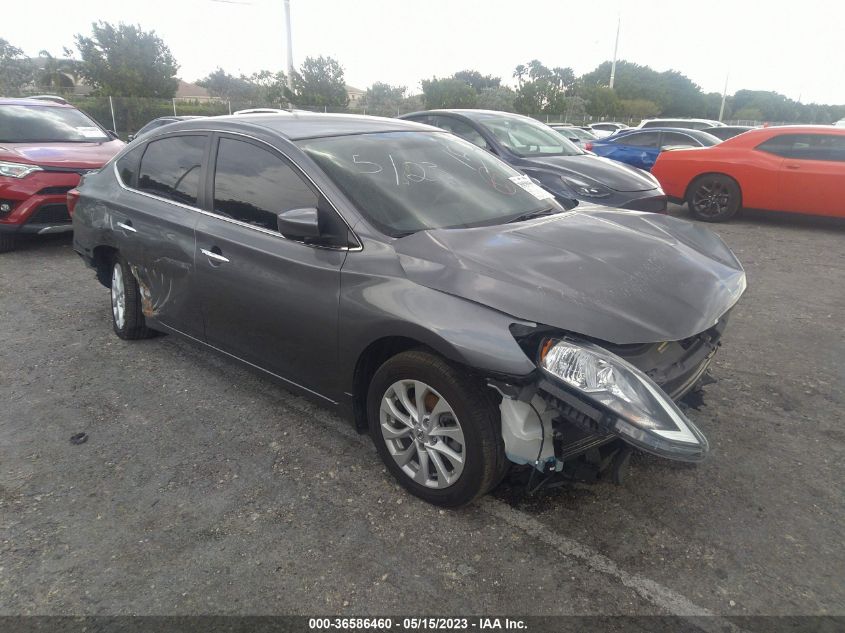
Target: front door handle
(218, 257)
(793, 166)
(126, 226)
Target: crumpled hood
(619, 276)
(618, 176)
(72, 155)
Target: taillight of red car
(588, 146)
(72, 199)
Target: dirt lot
(204, 488)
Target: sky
(795, 49)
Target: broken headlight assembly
(635, 408)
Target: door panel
(274, 302)
(268, 300)
(813, 186)
(156, 235)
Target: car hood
(619, 276)
(74, 155)
(618, 176)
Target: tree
(56, 74)
(601, 101)
(448, 93)
(269, 87)
(496, 98)
(383, 99)
(126, 61)
(221, 84)
(541, 89)
(320, 83)
(637, 108)
(478, 81)
(16, 70)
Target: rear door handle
(793, 166)
(126, 227)
(215, 256)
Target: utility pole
(290, 52)
(615, 50)
(724, 96)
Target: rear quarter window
(170, 168)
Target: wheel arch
(102, 259)
(697, 177)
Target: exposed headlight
(645, 415)
(17, 170)
(586, 189)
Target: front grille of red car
(50, 214)
(54, 191)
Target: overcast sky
(795, 49)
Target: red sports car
(45, 147)
(800, 169)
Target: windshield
(570, 132)
(527, 137)
(404, 182)
(47, 124)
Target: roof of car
(33, 102)
(470, 113)
(296, 126)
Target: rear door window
(127, 166)
(171, 168)
(640, 139)
(676, 138)
(253, 185)
(459, 128)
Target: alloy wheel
(118, 296)
(422, 434)
(711, 199)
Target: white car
(690, 124)
(840, 123)
(606, 128)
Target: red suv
(45, 146)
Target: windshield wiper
(533, 214)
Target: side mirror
(130, 138)
(299, 224)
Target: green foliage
(637, 108)
(448, 93)
(320, 83)
(674, 93)
(478, 81)
(57, 74)
(601, 101)
(124, 60)
(541, 89)
(16, 70)
(496, 98)
(383, 99)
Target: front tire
(127, 317)
(714, 198)
(436, 428)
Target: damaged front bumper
(586, 396)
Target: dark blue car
(640, 147)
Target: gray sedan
(551, 160)
(417, 284)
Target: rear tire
(127, 317)
(443, 445)
(714, 198)
(8, 242)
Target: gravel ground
(205, 488)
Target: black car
(417, 284)
(552, 161)
(724, 132)
(160, 122)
